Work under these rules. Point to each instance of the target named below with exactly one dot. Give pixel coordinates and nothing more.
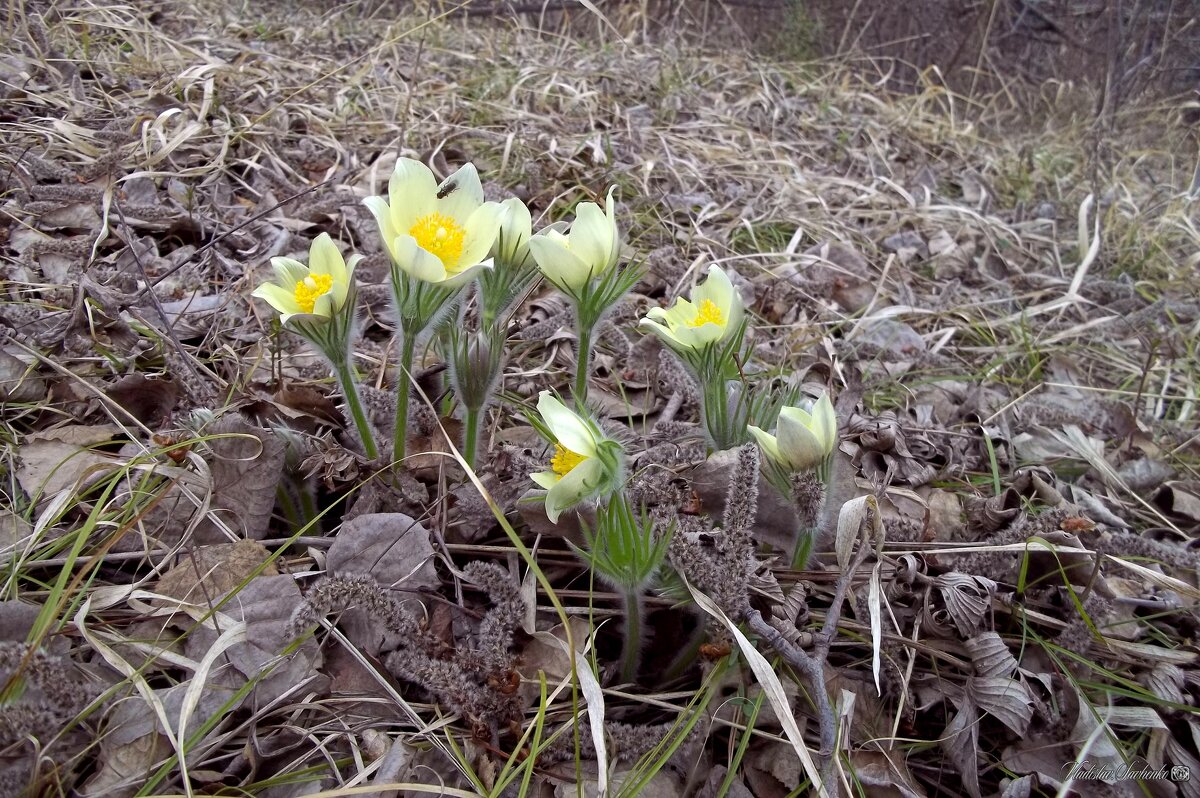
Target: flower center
(440, 235)
(564, 460)
(312, 288)
(708, 311)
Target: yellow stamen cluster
(708, 311)
(564, 460)
(440, 235)
(312, 288)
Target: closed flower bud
(803, 438)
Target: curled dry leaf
(967, 598)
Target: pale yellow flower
(441, 234)
(714, 313)
(591, 247)
(512, 244)
(585, 462)
(318, 289)
(802, 439)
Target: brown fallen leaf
(393, 548)
(207, 573)
(59, 458)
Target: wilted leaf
(395, 549)
(960, 741)
(967, 598)
(1008, 700)
(246, 468)
(58, 458)
(990, 655)
(880, 775)
(19, 381)
(207, 573)
(265, 605)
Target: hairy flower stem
(804, 548)
(345, 376)
(632, 651)
(582, 366)
(407, 355)
(471, 435)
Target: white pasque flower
(441, 234)
(591, 248)
(714, 313)
(585, 461)
(802, 439)
(318, 289)
(512, 245)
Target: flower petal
(383, 218)
(466, 275)
(767, 442)
(568, 429)
(288, 272)
(481, 229)
(545, 479)
(277, 297)
(825, 422)
(417, 262)
(797, 443)
(665, 333)
(560, 265)
(465, 196)
(579, 483)
(512, 245)
(610, 212)
(591, 236)
(412, 193)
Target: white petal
(661, 331)
(579, 483)
(797, 443)
(288, 272)
(610, 212)
(481, 229)
(560, 265)
(591, 236)
(825, 422)
(383, 218)
(277, 297)
(767, 442)
(466, 275)
(466, 196)
(545, 479)
(415, 261)
(412, 193)
(568, 429)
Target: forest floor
(1000, 294)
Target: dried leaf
(57, 459)
(207, 573)
(990, 655)
(265, 606)
(246, 468)
(967, 598)
(960, 741)
(19, 381)
(394, 548)
(1008, 700)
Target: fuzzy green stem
(631, 653)
(582, 367)
(345, 376)
(471, 435)
(408, 348)
(804, 548)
